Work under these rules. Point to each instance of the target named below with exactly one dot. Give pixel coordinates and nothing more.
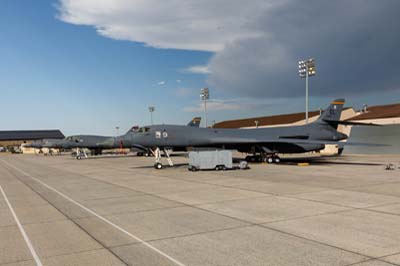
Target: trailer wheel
(270, 160)
(158, 166)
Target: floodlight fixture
(307, 69)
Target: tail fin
(332, 114)
(195, 122)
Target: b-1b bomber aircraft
(96, 144)
(264, 142)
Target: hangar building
(13, 139)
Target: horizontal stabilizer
(334, 123)
(350, 123)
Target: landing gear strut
(271, 158)
(157, 154)
(264, 157)
(80, 154)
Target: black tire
(277, 160)
(158, 166)
(270, 160)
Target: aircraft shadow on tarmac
(178, 165)
(284, 162)
(337, 162)
(107, 156)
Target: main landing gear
(263, 158)
(157, 154)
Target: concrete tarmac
(121, 211)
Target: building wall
(25, 150)
(14, 143)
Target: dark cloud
(355, 43)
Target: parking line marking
(97, 215)
(21, 229)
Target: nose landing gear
(81, 154)
(157, 154)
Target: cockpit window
(144, 129)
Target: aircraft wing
(140, 147)
(294, 141)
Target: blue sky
(65, 67)
(58, 75)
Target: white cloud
(198, 70)
(178, 81)
(256, 44)
(205, 25)
(161, 83)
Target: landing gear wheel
(270, 160)
(158, 166)
(277, 159)
(220, 168)
(78, 157)
(193, 168)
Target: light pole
(205, 95)
(307, 69)
(151, 110)
(256, 122)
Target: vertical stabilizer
(332, 114)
